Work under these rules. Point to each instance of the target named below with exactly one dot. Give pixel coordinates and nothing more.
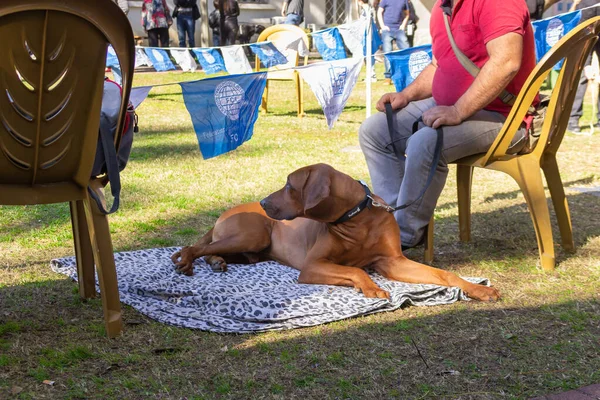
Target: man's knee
(370, 129)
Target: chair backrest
(284, 33)
(51, 84)
(574, 48)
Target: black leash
(437, 153)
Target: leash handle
(437, 153)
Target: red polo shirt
(473, 24)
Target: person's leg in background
(163, 36)
(181, 30)
(191, 31)
(577, 110)
(386, 38)
(153, 37)
(401, 40)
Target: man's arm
(419, 89)
(284, 7)
(505, 53)
(380, 19)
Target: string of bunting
(224, 109)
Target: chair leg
(83, 251)
(105, 265)
(526, 171)
(559, 200)
(428, 256)
(464, 179)
(300, 94)
(265, 98)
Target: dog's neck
(358, 208)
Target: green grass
(541, 338)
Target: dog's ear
(315, 190)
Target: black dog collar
(359, 207)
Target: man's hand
(283, 9)
(385, 28)
(397, 100)
(441, 115)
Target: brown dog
(301, 226)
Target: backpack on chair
(108, 160)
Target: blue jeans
(293, 19)
(186, 24)
(401, 42)
(399, 181)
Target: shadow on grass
(464, 350)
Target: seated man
(497, 36)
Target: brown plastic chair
(51, 84)
(283, 72)
(526, 169)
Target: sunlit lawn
(543, 337)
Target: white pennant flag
(332, 82)
(184, 59)
(236, 61)
(141, 58)
(298, 45)
(353, 35)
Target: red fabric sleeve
(497, 18)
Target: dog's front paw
(183, 260)
(484, 293)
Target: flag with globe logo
(268, 54)
(407, 64)
(210, 60)
(224, 110)
(160, 59)
(329, 43)
(547, 32)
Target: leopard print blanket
(248, 298)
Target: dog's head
(317, 192)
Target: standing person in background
(411, 25)
(231, 10)
(186, 12)
(293, 11)
(214, 20)
(156, 20)
(393, 17)
(364, 9)
(116, 70)
(123, 4)
(577, 110)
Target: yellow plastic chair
(51, 85)
(526, 169)
(283, 33)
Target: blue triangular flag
(160, 59)
(329, 43)
(407, 64)
(376, 41)
(268, 54)
(547, 32)
(210, 60)
(224, 110)
(111, 57)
